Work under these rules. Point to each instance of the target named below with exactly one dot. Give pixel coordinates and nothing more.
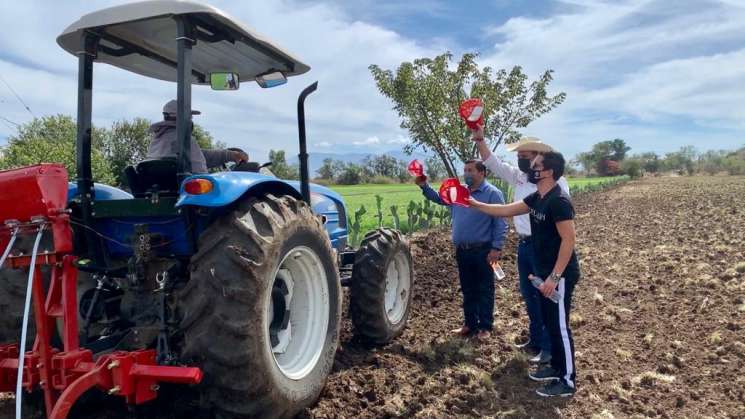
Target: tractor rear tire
(261, 312)
(382, 284)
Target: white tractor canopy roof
(141, 38)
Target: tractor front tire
(261, 312)
(382, 284)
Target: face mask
(468, 179)
(534, 176)
(524, 165)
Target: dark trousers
(477, 285)
(539, 338)
(556, 318)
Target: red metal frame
(65, 375)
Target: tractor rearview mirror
(224, 81)
(272, 79)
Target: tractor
(219, 293)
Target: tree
(427, 95)
(326, 171)
(605, 156)
(632, 168)
(125, 144)
(51, 139)
(434, 168)
(650, 162)
(682, 160)
(351, 175)
(280, 167)
(382, 165)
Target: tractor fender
(229, 187)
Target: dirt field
(659, 320)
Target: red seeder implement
(33, 200)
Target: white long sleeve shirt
(521, 188)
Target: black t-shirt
(545, 212)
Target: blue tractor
(237, 272)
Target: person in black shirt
(552, 225)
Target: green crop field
(401, 194)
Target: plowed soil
(658, 319)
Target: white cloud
(323, 144)
(398, 140)
(338, 49)
(368, 141)
(635, 70)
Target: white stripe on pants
(563, 327)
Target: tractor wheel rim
(397, 288)
(297, 334)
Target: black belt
(524, 237)
(473, 246)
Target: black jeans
(556, 319)
(477, 285)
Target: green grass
(400, 195)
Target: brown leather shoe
(483, 335)
(461, 331)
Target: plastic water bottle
(537, 281)
(498, 272)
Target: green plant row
(424, 214)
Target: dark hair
(478, 163)
(553, 160)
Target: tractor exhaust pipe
(303, 156)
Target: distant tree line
(52, 139)
(380, 168)
(610, 158)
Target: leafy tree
(434, 168)
(351, 175)
(326, 171)
(682, 160)
(383, 165)
(604, 157)
(427, 95)
(125, 144)
(51, 139)
(632, 168)
(280, 166)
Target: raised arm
(502, 170)
(430, 193)
(497, 210)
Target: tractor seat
(156, 175)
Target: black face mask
(524, 165)
(534, 176)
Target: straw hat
(530, 144)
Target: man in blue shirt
(478, 241)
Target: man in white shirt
(528, 148)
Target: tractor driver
(164, 144)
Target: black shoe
(556, 388)
(543, 357)
(544, 374)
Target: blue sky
(659, 74)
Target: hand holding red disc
(453, 193)
(472, 112)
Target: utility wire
(18, 97)
(8, 120)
